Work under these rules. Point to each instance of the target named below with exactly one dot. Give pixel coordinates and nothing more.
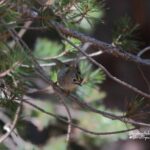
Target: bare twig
(53, 57)
(66, 60)
(143, 51)
(2, 2)
(32, 28)
(9, 70)
(106, 114)
(21, 32)
(83, 104)
(69, 121)
(76, 126)
(3, 74)
(144, 77)
(109, 115)
(16, 117)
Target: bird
(68, 76)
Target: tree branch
(105, 47)
(74, 125)
(143, 51)
(104, 69)
(106, 114)
(65, 61)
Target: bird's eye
(74, 79)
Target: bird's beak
(79, 82)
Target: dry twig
(74, 125)
(69, 121)
(143, 51)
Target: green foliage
(70, 47)
(124, 34)
(92, 77)
(95, 76)
(8, 14)
(84, 14)
(54, 74)
(3, 147)
(79, 14)
(57, 143)
(9, 57)
(10, 105)
(45, 48)
(48, 15)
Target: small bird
(68, 76)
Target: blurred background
(38, 131)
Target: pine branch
(105, 47)
(136, 90)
